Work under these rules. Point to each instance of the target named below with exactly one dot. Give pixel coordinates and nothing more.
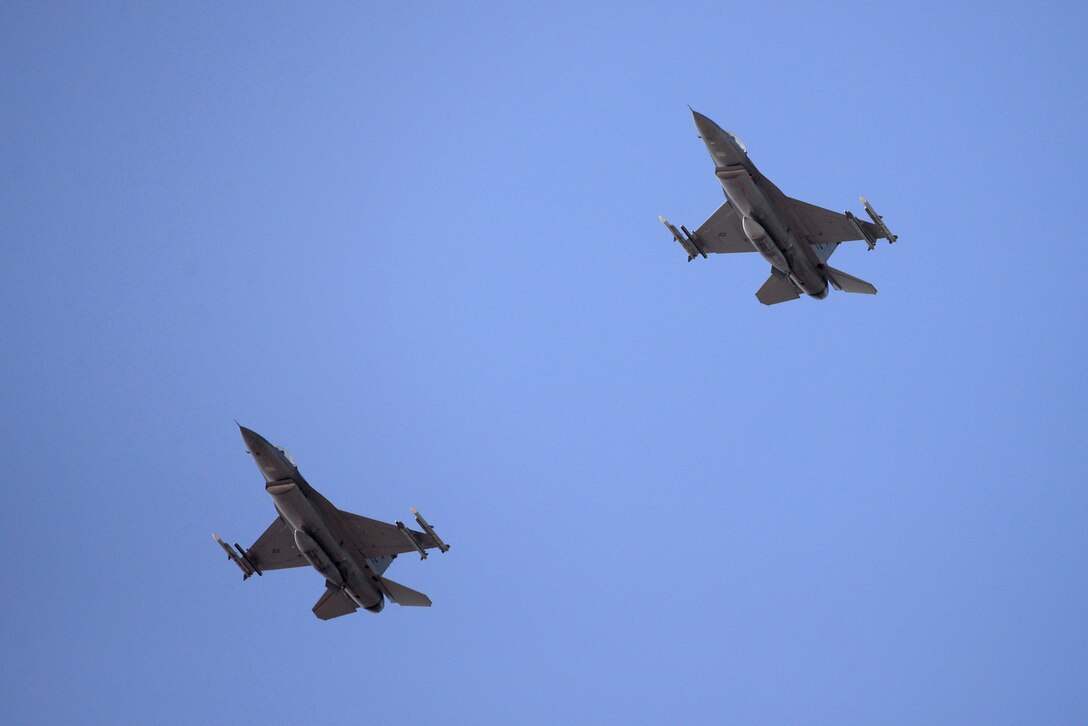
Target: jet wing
(722, 232)
(821, 225)
(372, 538)
(275, 549)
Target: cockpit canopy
(287, 455)
(737, 141)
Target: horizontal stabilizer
(404, 596)
(848, 283)
(334, 603)
(776, 290)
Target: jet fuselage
(312, 517)
(766, 222)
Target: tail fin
(404, 596)
(776, 289)
(847, 283)
(334, 603)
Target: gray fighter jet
(797, 238)
(351, 552)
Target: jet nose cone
(703, 125)
(254, 441)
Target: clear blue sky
(417, 245)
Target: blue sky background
(417, 245)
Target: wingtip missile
(865, 234)
(412, 540)
(878, 221)
(239, 558)
(686, 240)
(442, 546)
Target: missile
(687, 240)
(239, 558)
(869, 239)
(442, 546)
(408, 535)
(878, 221)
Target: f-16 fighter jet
(797, 238)
(351, 552)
